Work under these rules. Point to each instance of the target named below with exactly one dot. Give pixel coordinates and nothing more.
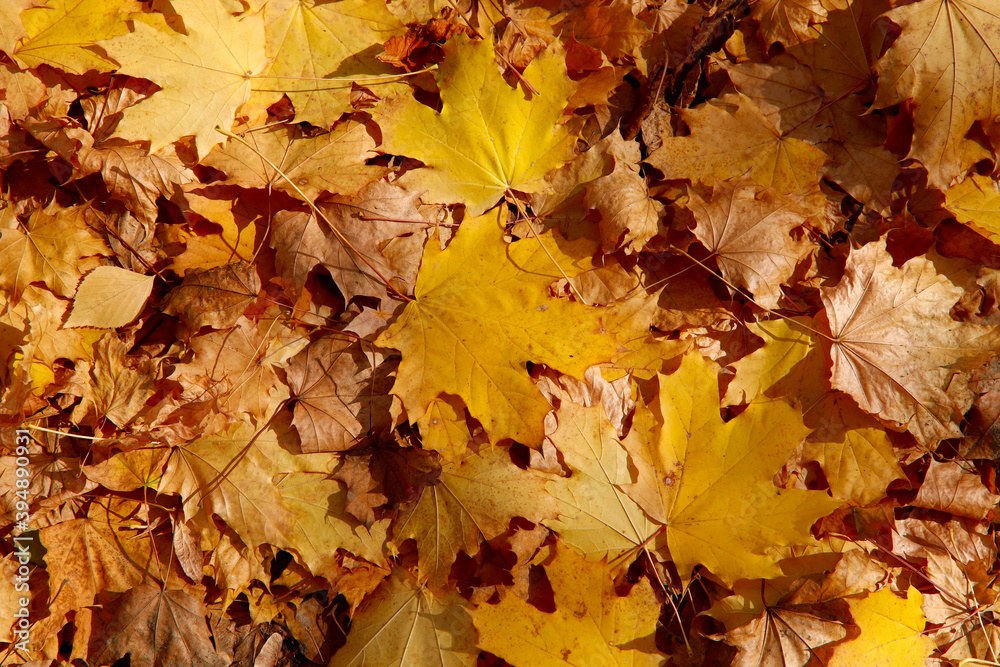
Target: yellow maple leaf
(482, 310)
(205, 74)
(976, 200)
(64, 32)
(710, 480)
(309, 40)
(489, 138)
(891, 632)
(592, 624)
(855, 453)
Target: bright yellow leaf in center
(482, 311)
(489, 137)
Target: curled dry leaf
(214, 297)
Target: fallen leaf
(339, 397)
(310, 45)
(596, 514)
(950, 488)
(109, 297)
(405, 623)
(215, 297)
(375, 224)
(488, 138)
(731, 139)
(711, 481)
(592, 624)
(751, 236)
(768, 630)
(946, 49)
(332, 162)
(54, 33)
(204, 73)
(474, 500)
(478, 317)
(890, 632)
(56, 247)
(153, 625)
(884, 323)
(976, 200)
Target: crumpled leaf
(120, 386)
(950, 488)
(592, 624)
(482, 310)
(629, 216)
(230, 366)
(769, 630)
(895, 348)
(488, 138)
(338, 395)
(371, 221)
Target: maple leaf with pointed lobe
(204, 73)
(896, 350)
(710, 481)
(945, 61)
(482, 310)
(488, 138)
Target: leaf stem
(524, 215)
(754, 301)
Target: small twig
(531, 227)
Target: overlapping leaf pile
(543, 333)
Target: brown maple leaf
(895, 348)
